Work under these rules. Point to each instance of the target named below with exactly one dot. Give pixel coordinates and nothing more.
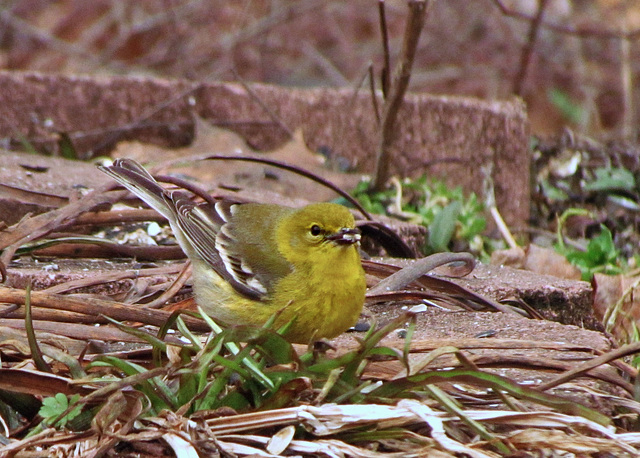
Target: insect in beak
(345, 236)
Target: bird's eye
(315, 230)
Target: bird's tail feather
(136, 179)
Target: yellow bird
(251, 261)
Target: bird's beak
(345, 236)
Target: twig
(403, 277)
(455, 290)
(583, 368)
(36, 353)
(96, 307)
(384, 32)
(95, 247)
(300, 171)
(502, 227)
(32, 228)
(105, 218)
(527, 51)
(587, 32)
(374, 99)
(415, 22)
(170, 292)
(45, 199)
(30, 441)
(112, 277)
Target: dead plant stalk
(395, 96)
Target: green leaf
(601, 256)
(472, 225)
(552, 192)
(55, 406)
(443, 227)
(611, 179)
(497, 383)
(569, 109)
(66, 147)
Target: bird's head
(317, 229)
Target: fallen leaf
(616, 303)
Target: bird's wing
(207, 230)
(201, 229)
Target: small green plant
(600, 255)
(450, 216)
(55, 406)
(255, 369)
(218, 373)
(611, 180)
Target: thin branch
(412, 272)
(35, 227)
(295, 169)
(583, 32)
(96, 307)
(374, 99)
(176, 286)
(384, 32)
(413, 28)
(527, 50)
(583, 368)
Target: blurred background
(575, 63)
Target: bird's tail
(136, 179)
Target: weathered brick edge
(459, 139)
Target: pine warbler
(251, 261)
